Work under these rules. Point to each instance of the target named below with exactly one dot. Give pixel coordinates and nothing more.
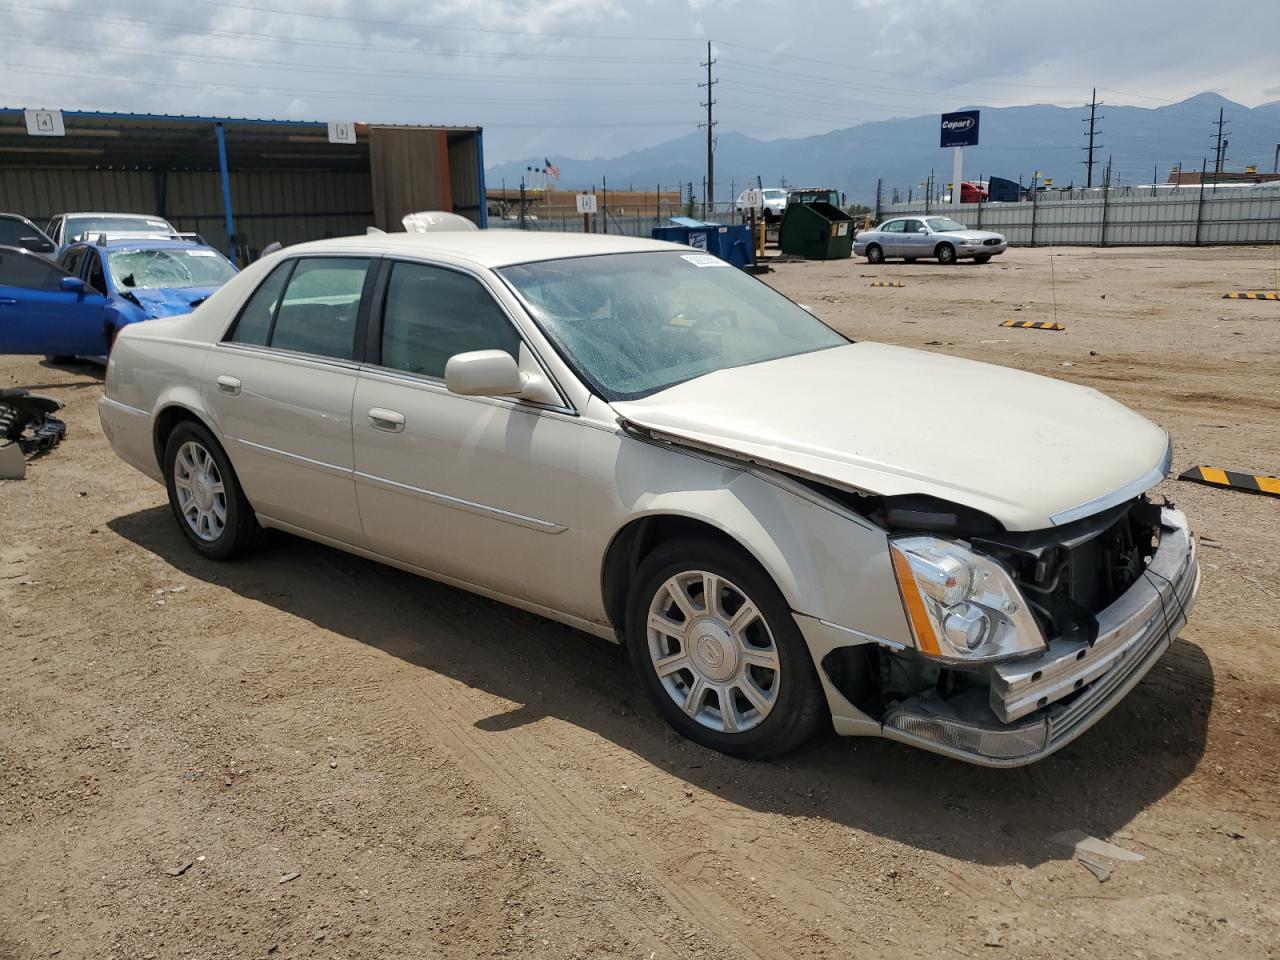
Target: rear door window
(893, 226)
(320, 307)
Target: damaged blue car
(77, 306)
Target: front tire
(946, 254)
(875, 254)
(982, 258)
(719, 653)
(205, 495)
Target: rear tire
(205, 495)
(946, 254)
(875, 254)
(734, 674)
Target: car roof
(111, 213)
(486, 248)
(142, 243)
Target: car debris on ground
(27, 428)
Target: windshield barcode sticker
(704, 260)
(201, 253)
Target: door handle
(229, 385)
(390, 420)
(7, 301)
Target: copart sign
(960, 129)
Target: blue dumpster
(731, 243)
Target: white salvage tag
(201, 253)
(704, 260)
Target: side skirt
(604, 631)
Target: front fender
(830, 564)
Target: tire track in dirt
(569, 818)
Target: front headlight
(963, 607)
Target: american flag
(552, 170)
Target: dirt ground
(445, 777)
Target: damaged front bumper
(1038, 705)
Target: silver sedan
(912, 238)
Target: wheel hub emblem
(710, 651)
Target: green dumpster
(816, 231)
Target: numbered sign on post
(753, 199)
(586, 203)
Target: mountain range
(1140, 142)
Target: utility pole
(1093, 129)
(1219, 153)
(710, 125)
(1275, 165)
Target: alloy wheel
(713, 651)
(202, 497)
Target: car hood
(164, 302)
(1028, 450)
(968, 234)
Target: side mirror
(72, 285)
(36, 244)
(483, 373)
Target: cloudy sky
(595, 78)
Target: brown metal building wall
(464, 176)
(410, 172)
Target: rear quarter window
(254, 323)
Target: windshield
(636, 323)
(150, 269)
(944, 225)
(775, 194)
(91, 226)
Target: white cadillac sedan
(785, 528)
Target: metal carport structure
(241, 183)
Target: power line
(325, 68)
(845, 67)
(620, 125)
(771, 72)
(400, 25)
(311, 92)
(332, 44)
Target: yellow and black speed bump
(887, 283)
(1034, 324)
(1232, 480)
(1250, 295)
